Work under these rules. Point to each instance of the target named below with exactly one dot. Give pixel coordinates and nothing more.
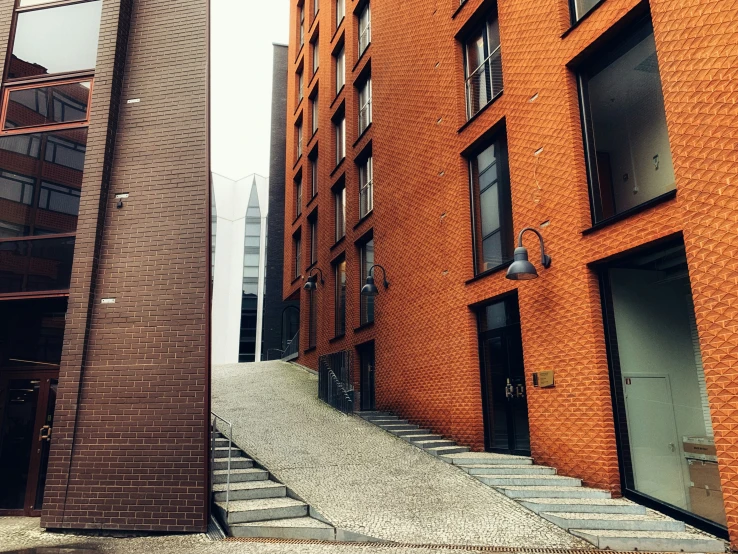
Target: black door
(366, 355)
(503, 378)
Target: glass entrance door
(503, 378)
(27, 401)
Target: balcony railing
(484, 84)
(335, 381)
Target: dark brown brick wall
(427, 357)
(130, 442)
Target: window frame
(297, 253)
(315, 54)
(339, 128)
(366, 107)
(299, 135)
(339, 199)
(298, 195)
(313, 227)
(469, 74)
(340, 288)
(368, 186)
(340, 72)
(314, 173)
(340, 10)
(365, 301)
(314, 113)
(365, 9)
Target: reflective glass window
(47, 105)
(36, 265)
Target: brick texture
(130, 441)
(426, 342)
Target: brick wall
(427, 357)
(130, 442)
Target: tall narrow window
(340, 128)
(340, 69)
(626, 137)
(312, 319)
(365, 28)
(301, 30)
(314, 104)
(581, 7)
(314, 173)
(340, 11)
(316, 7)
(365, 105)
(366, 187)
(316, 56)
(340, 302)
(493, 238)
(366, 259)
(298, 196)
(297, 245)
(300, 86)
(483, 66)
(298, 130)
(340, 201)
(314, 240)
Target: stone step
(373, 413)
(263, 509)
(240, 475)
(398, 427)
(415, 437)
(622, 522)
(486, 458)
(236, 463)
(515, 491)
(221, 443)
(249, 490)
(650, 541)
(411, 432)
(529, 480)
(444, 450)
(582, 505)
(510, 470)
(386, 420)
(222, 452)
(304, 528)
(434, 443)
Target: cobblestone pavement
(361, 478)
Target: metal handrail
(212, 454)
(485, 66)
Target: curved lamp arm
(384, 274)
(545, 258)
(322, 281)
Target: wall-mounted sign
(544, 379)
(133, 101)
(108, 301)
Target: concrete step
(621, 522)
(537, 491)
(305, 528)
(249, 490)
(650, 541)
(444, 450)
(411, 432)
(415, 437)
(434, 443)
(386, 420)
(221, 443)
(468, 459)
(510, 470)
(398, 427)
(222, 452)
(263, 509)
(236, 463)
(240, 475)
(529, 480)
(582, 505)
(372, 413)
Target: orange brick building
(425, 136)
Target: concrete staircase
(258, 505)
(591, 514)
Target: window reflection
(47, 105)
(36, 265)
(56, 40)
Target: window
(626, 139)
(300, 86)
(340, 201)
(314, 105)
(340, 129)
(365, 105)
(301, 31)
(340, 301)
(314, 240)
(366, 188)
(483, 66)
(340, 69)
(492, 210)
(299, 139)
(340, 11)
(316, 56)
(365, 29)
(297, 245)
(316, 8)
(56, 39)
(34, 106)
(581, 7)
(312, 319)
(314, 177)
(298, 196)
(366, 259)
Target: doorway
(27, 401)
(662, 414)
(504, 395)
(367, 370)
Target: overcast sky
(242, 33)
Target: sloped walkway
(359, 477)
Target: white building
(239, 244)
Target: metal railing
(293, 346)
(335, 382)
(484, 84)
(213, 431)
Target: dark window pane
(492, 251)
(490, 209)
(47, 105)
(582, 7)
(56, 40)
(32, 332)
(36, 265)
(40, 196)
(367, 302)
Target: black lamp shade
(521, 269)
(311, 283)
(370, 289)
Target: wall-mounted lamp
(521, 269)
(312, 281)
(370, 289)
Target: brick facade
(130, 443)
(426, 336)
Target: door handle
(45, 433)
